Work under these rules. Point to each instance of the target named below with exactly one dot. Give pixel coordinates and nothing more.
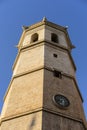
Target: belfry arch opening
(54, 38)
(34, 37)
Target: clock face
(61, 101)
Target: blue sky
(15, 14)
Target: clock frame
(61, 101)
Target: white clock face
(61, 101)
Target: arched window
(34, 37)
(54, 38)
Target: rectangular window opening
(55, 55)
(57, 74)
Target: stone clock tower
(43, 93)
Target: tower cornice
(42, 109)
(37, 69)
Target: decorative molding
(40, 68)
(40, 109)
(44, 42)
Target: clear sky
(16, 13)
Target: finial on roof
(66, 27)
(44, 19)
(73, 46)
(24, 27)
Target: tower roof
(45, 22)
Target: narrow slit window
(54, 38)
(34, 37)
(57, 74)
(55, 55)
